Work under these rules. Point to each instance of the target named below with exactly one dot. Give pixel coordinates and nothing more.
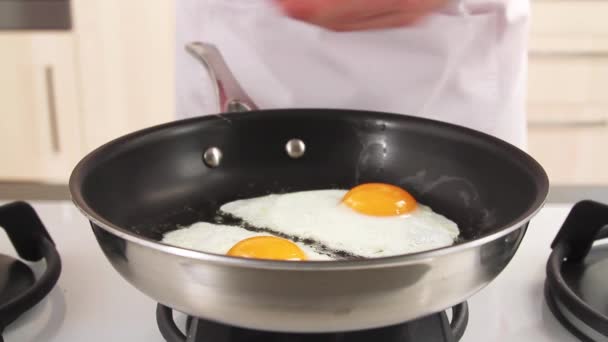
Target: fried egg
(237, 241)
(371, 220)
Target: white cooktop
(91, 302)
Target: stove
(91, 301)
(434, 328)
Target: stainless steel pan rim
(321, 296)
(94, 217)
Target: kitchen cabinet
(64, 93)
(125, 56)
(40, 136)
(567, 103)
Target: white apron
(465, 64)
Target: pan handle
(231, 96)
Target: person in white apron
(464, 62)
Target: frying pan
(140, 186)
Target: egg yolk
(378, 199)
(267, 247)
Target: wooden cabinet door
(126, 61)
(39, 125)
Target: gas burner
(433, 328)
(576, 285)
(19, 289)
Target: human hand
(358, 15)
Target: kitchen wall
(64, 91)
(567, 96)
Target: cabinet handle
(596, 123)
(52, 108)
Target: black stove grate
(433, 328)
(19, 289)
(576, 284)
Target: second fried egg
(376, 220)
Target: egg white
(319, 215)
(218, 239)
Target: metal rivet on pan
(295, 148)
(236, 106)
(212, 157)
